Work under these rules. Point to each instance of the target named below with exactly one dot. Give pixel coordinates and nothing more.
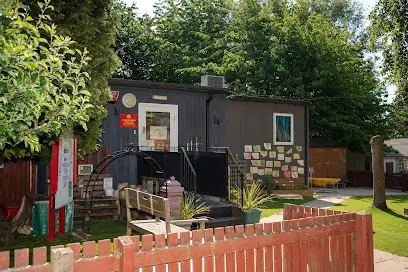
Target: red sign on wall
(128, 120)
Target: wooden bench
(159, 208)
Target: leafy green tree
(293, 51)
(42, 83)
(136, 43)
(184, 40)
(389, 34)
(93, 24)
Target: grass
(390, 227)
(100, 230)
(276, 206)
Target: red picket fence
(311, 240)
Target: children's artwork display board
(286, 161)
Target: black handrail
(187, 184)
(236, 165)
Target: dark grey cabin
(256, 130)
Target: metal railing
(235, 177)
(188, 177)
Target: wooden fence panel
(15, 181)
(295, 245)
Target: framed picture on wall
(283, 131)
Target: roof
(235, 96)
(166, 86)
(393, 154)
(399, 144)
(200, 89)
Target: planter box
(305, 193)
(252, 217)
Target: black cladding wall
(232, 123)
(191, 120)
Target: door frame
(154, 107)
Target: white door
(158, 127)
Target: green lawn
(390, 227)
(276, 206)
(103, 229)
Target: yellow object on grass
(322, 182)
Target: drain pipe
(207, 119)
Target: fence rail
(312, 240)
(365, 179)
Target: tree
(92, 23)
(377, 150)
(294, 52)
(136, 44)
(389, 34)
(42, 83)
(183, 41)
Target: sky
(146, 6)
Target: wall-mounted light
(160, 97)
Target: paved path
(384, 261)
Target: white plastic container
(109, 192)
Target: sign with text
(128, 120)
(64, 194)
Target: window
(283, 133)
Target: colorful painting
(288, 159)
(272, 154)
(247, 156)
(281, 157)
(269, 163)
(301, 162)
(254, 170)
(248, 148)
(286, 174)
(294, 175)
(289, 151)
(249, 176)
(301, 170)
(296, 156)
(257, 148)
(268, 171)
(299, 148)
(268, 146)
(293, 168)
(285, 168)
(255, 156)
(261, 171)
(283, 128)
(276, 164)
(264, 154)
(280, 149)
(275, 173)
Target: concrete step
(223, 222)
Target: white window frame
(172, 109)
(292, 131)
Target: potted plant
(190, 208)
(253, 199)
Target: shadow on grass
(391, 212)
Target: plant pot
(252, 217)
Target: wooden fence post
(126, 249)
(62, 259)
(364, 242)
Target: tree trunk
(377, 151)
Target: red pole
(61, 217)
(53, 190)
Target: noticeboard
(64, 194)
